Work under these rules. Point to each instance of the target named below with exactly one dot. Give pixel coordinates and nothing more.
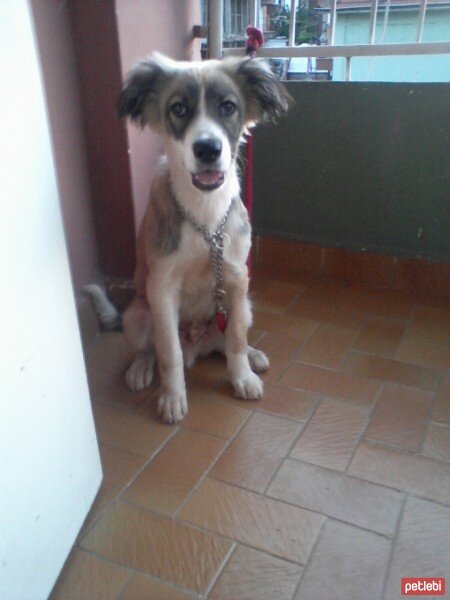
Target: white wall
(49, 463)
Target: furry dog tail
(109, 317)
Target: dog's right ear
(139, 99)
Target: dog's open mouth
(208, 180)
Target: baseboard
(416, 277)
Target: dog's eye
(178, 110)
(227, 108)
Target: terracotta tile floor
(335, 485)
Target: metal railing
(371, 49)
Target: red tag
(221, 318)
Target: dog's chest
(197, 275)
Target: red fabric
(255, 37)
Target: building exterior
(352, 27)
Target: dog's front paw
(172, 407)
(249, 387)
(140, 374)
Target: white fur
(180, 286)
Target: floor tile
(110, 352)
(337, 495)
(437, 441)
(403, 471)
(400, 418)
(207, 414)
(345, 319)
(366, 268)
(422, 278)
(117, 393)
(431, 324)
(254, 575)
(277, 296)
(142, 587)
(254, 335)
(119, 468)
(99, 380)
(422, 548)
(348, 563)
(384, 303)
(287, 402)
(327, 346)
(335, 384)
(157, 546)
(299, 329)
(322, 292)
(281, 350)
(330, 437)
(441, 411)
(427, 353)
(256, 452)
(258, 282)
(87, 576)
(169, 478)
(394, 371)
(287, 258)
(319, 302)
(88, 323)
(132, 432)
(280, 529)
(207, 371)
(379, 336)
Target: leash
(215, 241)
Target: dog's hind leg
(257, 358)
(137, 326)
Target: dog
(191, 277)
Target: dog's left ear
(266, 97)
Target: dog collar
(215, 242)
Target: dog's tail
(108, 315)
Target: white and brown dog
(195, 238)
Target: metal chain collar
(216, 244)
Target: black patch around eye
(227, 108)
(227, 113)
(182, 106)
(179, 110)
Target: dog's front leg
(164, 305)
(246, 383)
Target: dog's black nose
(207, 150)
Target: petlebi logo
(423, 586)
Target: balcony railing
(371, 49)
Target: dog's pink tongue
(208, 177)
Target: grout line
(118, 496)
(293, 359)
(313, 549)
(394, 541)
(134, 571)
(369, 420)
(212, 465)
(376, 379)
(211, 532)
(220, 569)
(288, 453)
(122, 589)
(430, 420)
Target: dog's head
(202, 109)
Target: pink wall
(104, 166)
(57, 60)
(144, 26)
